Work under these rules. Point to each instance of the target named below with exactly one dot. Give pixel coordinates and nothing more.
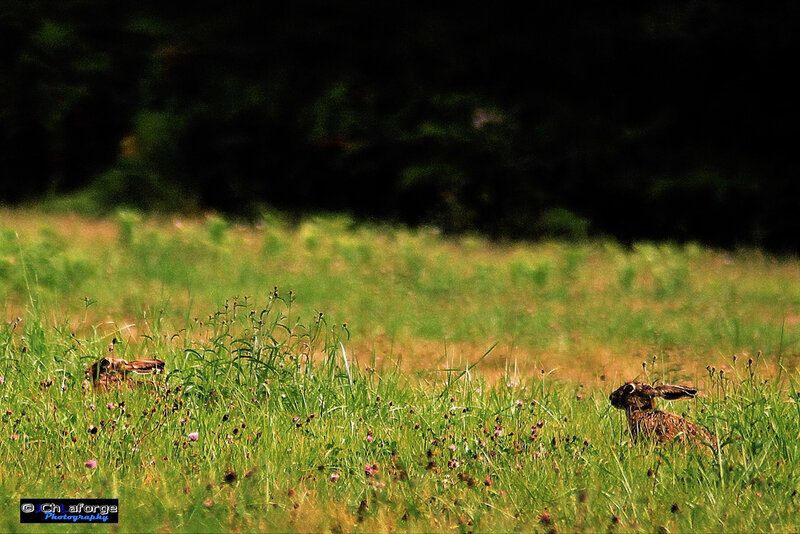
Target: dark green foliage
(666, 120)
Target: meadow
(331, 376)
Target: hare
(111, 372)
(638, 401)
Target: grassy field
(395, 380)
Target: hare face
(633, 396)
(106, 366)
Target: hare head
(640, 396)
(110, 371)
(638, 401)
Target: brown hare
(638, 401)
(110, 372)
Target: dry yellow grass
(586, 312)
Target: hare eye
(630, 388)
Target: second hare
(110, 372)
(645, 421)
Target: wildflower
(2, 380)
(579, 396)
(519, 403)
(452, 448)
(335, 476)
(194, 436)
(230, 476)
(110, 405)
(369, 436)
(371, 470)
(91, 464)
(544, 518)
(63, 387)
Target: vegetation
(583, 310)
(265, 424)
(665, 120)
(276, 415)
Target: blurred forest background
(645, 120)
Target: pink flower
(334, 476)
(452, 448)
(369, 436)
(110, 405)
(91, 464)
(2, 380)
(194, 436)
(370, 470)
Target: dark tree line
(642, 120)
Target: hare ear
(671, 392)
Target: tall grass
(339, 377)
(294, 433)
(586, 310)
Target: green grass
(372, 352)
(583, 309)
(281, 410)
